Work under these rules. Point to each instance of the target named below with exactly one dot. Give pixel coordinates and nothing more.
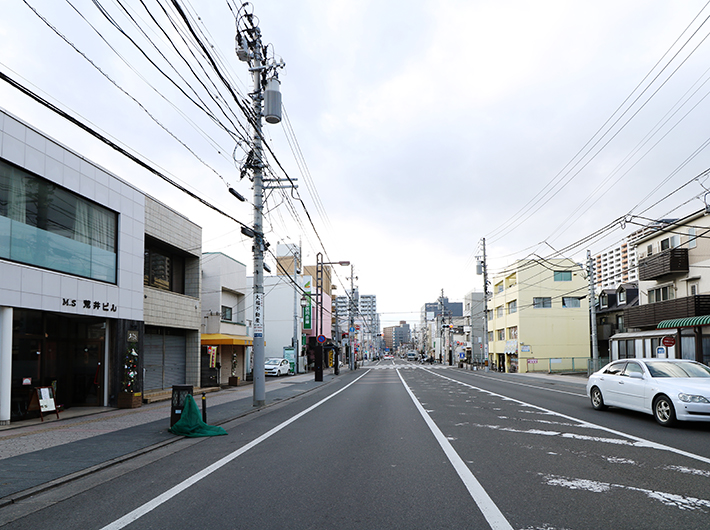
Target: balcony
(647, 316)
(671, 261)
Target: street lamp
(319, 315)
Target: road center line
(172, 492)
(642, 442)
(488, 508)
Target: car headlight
(690, 398)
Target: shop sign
(94, 305)
(258, 315)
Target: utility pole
(483, 269)
(351, 327)
(250, 49)
(296, 307)
(593, 313)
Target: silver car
(276, 366)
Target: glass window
(615, 368)
(568, 301)
(48, 226)
(621, 296)
(512, 307)
(226, 313)
(692, 238)
(563, 276)
(633, 368)
(627, 349)
(163, 268)
(665, 244)
(542, 302)
(499, 288)
(501, 334)
(604, 300)
(499, 311)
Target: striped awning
(688, 322)
(216, 339)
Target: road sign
(668, 341)
(321, 339)
(660, 351)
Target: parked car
(669, 389)
(276, 366)
(412, 356)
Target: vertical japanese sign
(258, 315)
(308, 309)
(212, 351)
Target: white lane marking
(681, 502)
(533, 386)
(172, 492)
(640, 442)
(490, 511)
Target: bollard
(204, 407)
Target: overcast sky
(425, 125)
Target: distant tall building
(395, 336)
(366, 312)
(616, 266)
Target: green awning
(684, 322)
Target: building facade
(225, 337)
(537, 321)
(615, 266)
(674, 293)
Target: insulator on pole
(272, 101)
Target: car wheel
(597, 398)
(663, 411)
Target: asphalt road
(406, 446)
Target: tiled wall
(33, 288)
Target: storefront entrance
(60, 351)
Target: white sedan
(276, 366)
(669, 389)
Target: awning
(216, 339)
(684, 322)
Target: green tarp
(190, 423)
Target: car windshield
(666, 369)
(273, 361)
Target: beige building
(674, 257)
(538, 317)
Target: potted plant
(129, 397)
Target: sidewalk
(36, 455)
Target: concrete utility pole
(296, 307)
(593, 313)
(483, 269)
(351, 327)
(250, 49)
